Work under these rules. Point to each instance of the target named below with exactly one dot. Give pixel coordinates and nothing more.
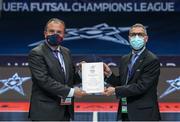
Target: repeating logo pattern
(101, 31)
(14, 83)
(174, 86)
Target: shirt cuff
(71, 93)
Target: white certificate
(93, 77)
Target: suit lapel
(55, 61)
(125, 67)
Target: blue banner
(93, 27)
(91, 6)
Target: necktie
(60, 61)
(131, 63)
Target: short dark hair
(138, 25)
(56, 20)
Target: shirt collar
(139, 52)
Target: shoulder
(65, 49)
(125, 57)
(151, 59)
(151, 56)
(38, 49)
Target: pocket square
(140, 61)
(138, 70)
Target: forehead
(137, 30)
(55, 25)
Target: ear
(146, 39)
(45, 34)
(63, 35)
(129, 38)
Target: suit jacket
(49, 84)
(141, 88)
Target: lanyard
(61, 61)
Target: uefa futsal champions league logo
(101, 31)
(13, 83)
(174, 86)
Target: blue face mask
(54, 40)
(137, 42)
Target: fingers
(83, 62)
(105, 66)
(109, 91)
(107, 70)
(79, 93)
(80, 65)
(84, 93)
(105, 88)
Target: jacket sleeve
(148, 78)
(113, 80)
(40, 76)
(76, 78)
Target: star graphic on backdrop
(13, 83)
(174, 86)
(101, 31)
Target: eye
(139, 34)
(58, 32)
(54, 31)
(51, 31)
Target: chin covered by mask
(137, 42)
(54, 40)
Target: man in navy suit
(53, 77)
(136, 85)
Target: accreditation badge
(67, 101)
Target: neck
(55, 47)
(138, 51)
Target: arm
(76, 80)
(113, 80)
(77, 92)
(76, 77)
(110, 77)
(40, 75)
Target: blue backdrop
(92, 27)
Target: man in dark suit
(53, 77)
(136, 85)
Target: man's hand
(80, 65)
(78, 93)
(109, 91)
(107, 70)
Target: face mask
(137, 42)
(54, 40)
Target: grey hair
(56, 20)
(138, 25)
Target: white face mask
(137, 42)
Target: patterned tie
(55, 52)
(131, 64)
